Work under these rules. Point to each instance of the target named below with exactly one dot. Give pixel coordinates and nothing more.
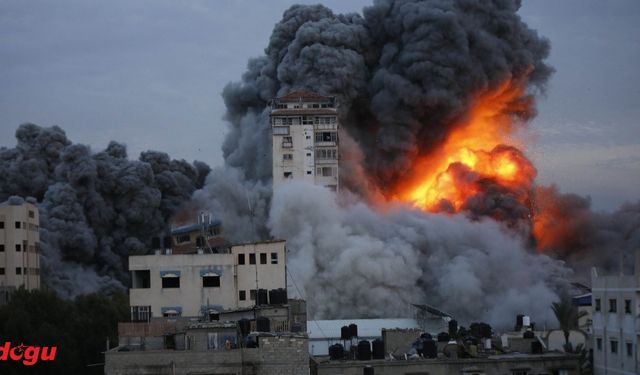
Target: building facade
(616, 324)
(19, 246)
(195, 285)
(305, 139)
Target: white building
(193, 285)
(616, 324)
(305, 139)
(19, 247)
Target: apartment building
(19, 246)
(203, 283)
(305, 139)
(616, 324)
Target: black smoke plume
(95, 208)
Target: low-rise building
(19, 246)
(203, 284)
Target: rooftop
(303, 95)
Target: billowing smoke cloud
(96, 208)
(403, 73)
(355, 262)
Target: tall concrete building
(305, 139)
(19, 246)
(616, 324)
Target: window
(210, 281)
(599, 344)
(614, 346)
(274, 258)
(288, 174)
(325, 171)
(240, 258)
(629, 349)
(613, 305)
(327, 153)
(1, 270)
(263, 258)
(1, 224)
(170, 282)
(31, 214)
(308, 172)
(252, 294)
(287, 157)
(18, 270)
(140, 313)
(287, 142)
(597, 304)
(252, 258)
(17, 225)
(280, 130)
(141, 279)
(183, 238)
(18, 248)
(326, 137)
(1, 248)
(627, 306)
(242, 295)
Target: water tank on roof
(443, 337)
(274, 299)
(430, 349)
(526, 321)
(378, 349)
(245, 326)
(155, 243)
(336, 352)
(528, 335)
(453, 327)
(167, 242)
(519, 321)
(344, 333)
(353, 330)
(364, 350)
(426, 336)
(368, 370)
(536, 347)
(263, 297)
(263, 324)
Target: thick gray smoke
(95, 208)
(356, 262)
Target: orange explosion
(479, 148)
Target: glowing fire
(480, 148)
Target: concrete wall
(26, 238)
(506, 365)
(276, 355)
(399, 341)
(191, 297)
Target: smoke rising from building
(95, 208)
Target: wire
(300, 294)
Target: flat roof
(320, 329)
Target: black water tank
(453, 327)
(274, 299)
(364, 350)
(528, 335)
(263, 297)
(368, 370)
(353, 330)
(155, 243)
(443, 337)
(519, 320)
(378, 349)
(344, 333)
(263, 324)
(296, 327)
(167, 242)
(245, 326)
(426, 336)
(430, 348)
(284, 299)
(536, 347)
(336, 352)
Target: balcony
(287, 144)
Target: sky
(150, 74)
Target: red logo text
(28, 354)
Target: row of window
(252, 258)
(305, 120)
(22, 224)
(207, 282)
(300, 105)
(23, 271)
(613, 346)
(613, 305)
(19, 248)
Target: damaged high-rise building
(305, 139)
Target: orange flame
(481, 146)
